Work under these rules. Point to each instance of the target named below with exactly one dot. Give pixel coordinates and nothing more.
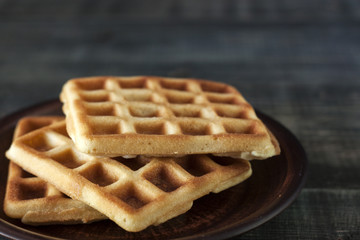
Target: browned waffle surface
(135, 193)
(156, 116)
(36, 201)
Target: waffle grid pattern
(140, 115)
(141, 102)
(135, 189)
(30, 198)
(25, 186)
(30, 187)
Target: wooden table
(297, 61)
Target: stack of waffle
(136, 150)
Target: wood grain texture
(297, 61)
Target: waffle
(134, 193)
(152, 116)
(35, 201)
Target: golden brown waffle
(135, 193)
(35, 201)
(154, 116)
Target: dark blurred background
(261, 44)
(297, 61)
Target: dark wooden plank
(316, 214)
(322, 42)
(295, 60)
(284, 54)
(247, 11)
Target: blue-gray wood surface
(297, 61)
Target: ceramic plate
(274, 185)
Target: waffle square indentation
(231, 112)
(104, 110)
(214, 87)
(150, 128)
(194, 165)
(133, 163)
(40, 143)
(105, 129)
(142, 95)
(90, 85)
(68, 159)
(133, 196)
(99, 175)
(163, 178)
(29, 191)
(94, 96)
(174, 85)
(197, 128)
(239, 127)
(176, 98)
(132, 83)
(221, 98)
(186, 111)
(143, 111)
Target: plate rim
(283, 203)
(10, 230)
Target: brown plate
(274, 185)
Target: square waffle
(35, 201)
(129, 116)
(134, 193)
